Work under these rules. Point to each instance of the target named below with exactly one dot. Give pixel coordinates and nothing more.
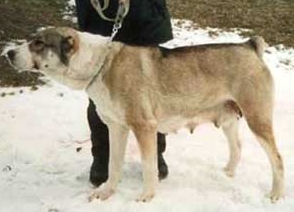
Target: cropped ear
(68, 46)
(70, 40)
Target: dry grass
(273, 19)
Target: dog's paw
(229, 171)
(145, 197)
(102, 194)
(275, 196)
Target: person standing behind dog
(147, 23)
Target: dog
(150, 89)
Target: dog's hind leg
(262, 128)
(118, 138)
(231, 132)
(256, 101)
(146, 136)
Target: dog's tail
(258, 44)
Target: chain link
(115, 29)
(121, 13)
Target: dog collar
(100, 68)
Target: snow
(41, 169)
(71, 2)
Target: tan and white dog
(148, 89)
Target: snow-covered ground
(41, 169)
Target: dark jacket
(147, 23)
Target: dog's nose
(11, 54)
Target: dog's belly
(174, 123)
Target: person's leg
(100, 149)
(162, 166)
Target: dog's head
(49, 49)
(57, 53)
(64, 54)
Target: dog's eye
(38, 42)
(37, 45)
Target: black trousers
(100, 137)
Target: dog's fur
(148, 89)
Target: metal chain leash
(121, 13)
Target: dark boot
(99, 168)
(162, 166)
(100, 147)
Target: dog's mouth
(5, 53)
(9, 61)
(35, 68)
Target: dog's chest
(106, 106)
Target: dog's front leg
(118, 138)
(146, 136)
